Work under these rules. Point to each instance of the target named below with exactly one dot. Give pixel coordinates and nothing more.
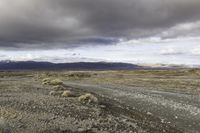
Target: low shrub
(66, 94)
(56, 82)
(88, 98)
(79, 75)
(46, 81)
(58, 88)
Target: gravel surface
(26, 107)
(157, 101)
(181, 110)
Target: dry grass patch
(88, 98)
(46, 81)
(78, 75)
(56, 82)
(66, 94)
(58, 88)
(49, 81)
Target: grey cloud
(182, 30)
(63, 23)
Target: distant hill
(32, 65)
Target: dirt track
(181, 110)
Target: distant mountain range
(32, 65)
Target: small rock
(75, 122)
(124, 120)
(162, 120)
(149, 113)
(81, 129)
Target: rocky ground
(27, 105)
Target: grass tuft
(58, 88)
(46, 81)
(56, 82)
(88, 98)
(66, 94)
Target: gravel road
(181, 110)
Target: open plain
(155, 101)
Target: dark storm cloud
(61, 23)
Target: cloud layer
(43, 24)
(144, 51)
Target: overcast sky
(135, 31)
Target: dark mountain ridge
(32, 65)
